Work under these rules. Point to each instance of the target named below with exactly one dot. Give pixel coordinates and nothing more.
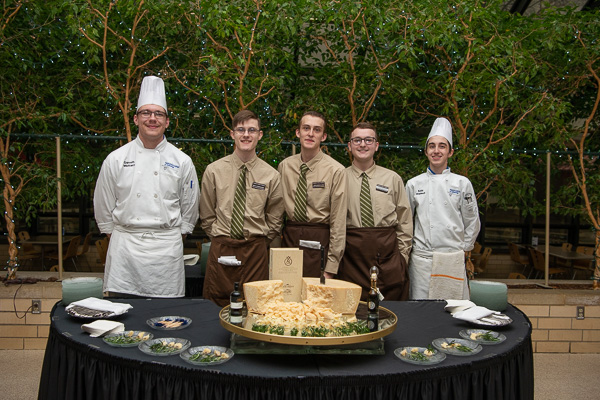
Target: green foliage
(505, 81)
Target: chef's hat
(441, 127)
(152, 92)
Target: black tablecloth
(77, 366)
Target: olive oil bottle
(235, 305)
(373, 303)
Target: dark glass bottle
(235, 305)
(373, 304)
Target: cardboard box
(286, 264)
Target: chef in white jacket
(446, 219)
(146, 201)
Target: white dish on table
(457, 347)
(475, 335)
(207, 355)
(164, 346)
(416, 355)
(169, 323)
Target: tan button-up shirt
(264, 198)
(325, 199)
(389, 202)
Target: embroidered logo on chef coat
(128, 164)
(169, 165)
(420, 192)
(259, 186)
(468, 198)
(318, 185)
(381, 188)
(454, 192)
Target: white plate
(498, 337)
(159, 322)
(474, 347)
(411, 358)
(127, 338)
(493, 320)
(88, 313)
(146, 346)
(188, 355)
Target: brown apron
(368, 247)
(219, 279)
(296, 231)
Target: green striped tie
(300, 200)
(366, 210)
(239, 207)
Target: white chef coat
(446, 220)
(146, 198)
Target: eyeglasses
(251, 131)
(358, 140)
(148, 113)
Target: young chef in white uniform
(446, 218)
(146, 200)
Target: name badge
(382, 188)
(259, 186)
(454, 192)
(128, 164)
(318, 185)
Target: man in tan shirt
(324, 219)
(247, 234)
(379, 221)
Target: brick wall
(19, 328)
(553, 318)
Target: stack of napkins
(101, 305)
(103, 327)
(229, 260)
(467, 310)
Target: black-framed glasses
(251, 131)
(358, 140)
(148, 113)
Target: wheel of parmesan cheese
(341, 296)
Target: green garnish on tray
(347, 329)
(272, 329)
(277, 330)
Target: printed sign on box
(286, 264)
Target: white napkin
(190, 259)
(454, 306)
(102, 305)
(102, 327)
(473, 314)
(229, 260)
(311, 244)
